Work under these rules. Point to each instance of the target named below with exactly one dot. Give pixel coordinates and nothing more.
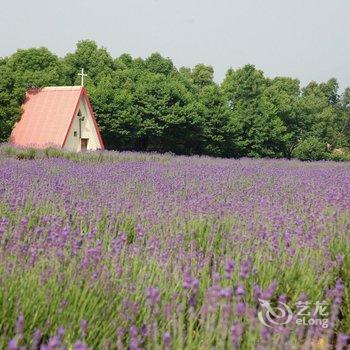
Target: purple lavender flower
(83, 328)
(166, 340)
(133, 331)
(60, 333)
(230, 265)
(190, 283)
(134, 344)
(54, 343)
(283, 298)
(80, 346)
(257, 292)
(245, 269)
(100, 231)
(20, 324)
(339, 258)
(225, 293)
(342, 341)
(240, 290)
(236, 334)
(265, 334)
(152, 296)
(13, 345)
(36, 340)
(268, 293)
(145, 330)
(120, 332)
(139, 231)
(240, 308)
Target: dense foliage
(148, 251)
(150, 105)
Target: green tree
(284, 94)
(244, 85)
(202, 75)
(322, 115)
(148, 104)
(258, 130)
(155, 63)
(118, 120)
(96, 61)
(25, 69)
(168, 114)
(311, 149)
(217, 136)
(344, 111)
(330, 90)
(345, 99)
(11, 97)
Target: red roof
(47, 116)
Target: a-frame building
(57, 117)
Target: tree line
(150, 105)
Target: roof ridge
(57, 88)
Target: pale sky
(307, 39)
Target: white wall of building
(88, 131)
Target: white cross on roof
(82, 76)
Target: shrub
(7, 150)
(341, 155)
(311, 148)
(53, 152)
(28, 153)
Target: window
(80, 115)
(75, 133)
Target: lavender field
(146, 251)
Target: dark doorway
(83, 144)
